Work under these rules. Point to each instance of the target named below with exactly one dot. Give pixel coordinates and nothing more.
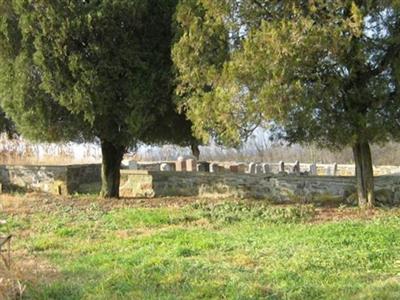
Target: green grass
(210, 251)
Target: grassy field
(85, 248)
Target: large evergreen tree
(89, 69)
(324, 72)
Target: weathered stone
(216, 168)
(313, 169)
(234, 168)
(180, 164)
(296, 167)
(252, 168)
(164, 167)
(259, 169)
(281, 167)
(335, 169)
(266, 168)
(242, 168)
(203, 166)
(191, 165)
(213, 168)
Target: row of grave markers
(192, 165)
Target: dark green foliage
(73, 70)
(322, 72)
(6, 125)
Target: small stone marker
(213, 168)
(203, 166)
(335, 169)
(313, 169)
(296, 167)
(252, 168)
(191, 165)
(281, 167)
(242, 168)
(164, 167)
(133, 165)
(265, 168)
(259, 169)
(180, 164)
(234, 168)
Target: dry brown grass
(40, 202)
(23, 269)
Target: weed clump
(231, 212)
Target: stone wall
(275, 187)
(67, 179)
(72, 179)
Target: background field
(187, 248)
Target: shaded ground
(191, 248)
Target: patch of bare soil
(332, 214)
(24, 269)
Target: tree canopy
(324, 72)
(90, 69)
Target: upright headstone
(252, 168)
(133, 165)
(234, 168)
(296, 167)
(203, 166)
(259, 169)
(191, 165)
(281, 167)
(213, 168)
(242, 168)
(313, 169)
(265, 168)
(180, 164)
(335, 169)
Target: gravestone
(216, 168)
(252, 168)
(203, 166)
(191, 165)
(234, 168)
(259, 169)
(335, 169)
(242, 168)
(213, 168)
(180, 164)
(281, 168)
(313, 169)
(164, 167)
(296, 167)
(265, 168)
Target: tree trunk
(364, 174)
(110, 169)
(195, 150)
